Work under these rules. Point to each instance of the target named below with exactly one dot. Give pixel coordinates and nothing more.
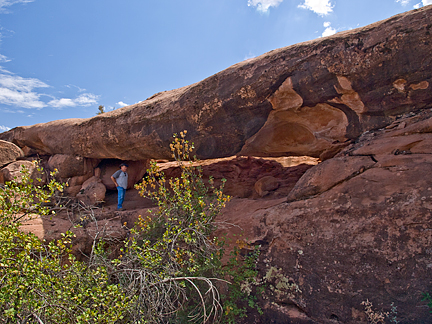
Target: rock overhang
(304, 99)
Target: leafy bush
(43, 283)
(177, 241)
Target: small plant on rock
(373, 316)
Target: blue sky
(62, 59)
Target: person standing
(120, 179)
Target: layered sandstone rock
(305, 99)
(248, 177)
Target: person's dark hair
(124, 164)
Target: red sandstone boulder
(266, 184)
(328, 174)
(9, 152)
(13, 172)
(49, 228)
(71, 165)
(92, 191)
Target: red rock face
(248, 177)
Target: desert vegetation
(169, 270)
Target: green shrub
(43, 283)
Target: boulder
(28, 151)
(266, 184)
(79, 180)
(71, 165)
(72, 191)
(329, 174)
(9, 152)
(13, 172)
(49, 228)
(304, 99)
(92, 191)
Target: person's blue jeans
(121, 195)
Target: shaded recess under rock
(356, 226)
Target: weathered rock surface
(9, 152)
(355, 227)
(304, 99)
(363, 232)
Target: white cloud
(423, 3)
(21, 93)
(86, 99)
(122, 104)
(61, 103)
(3, 128)
(18, 91)
(4, 59)
(264, 5)
(8, 3)
(328, 31)
(320, 7)
(70, 86)
(403, 2)
(18, 83)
